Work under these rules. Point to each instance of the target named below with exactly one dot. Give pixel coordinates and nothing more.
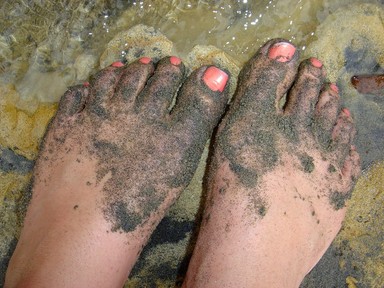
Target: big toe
(265, 79)
(201, 101)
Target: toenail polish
(282, 51)
(346, 112)
(117, 64)
(215, 78)
(175, 60)
(145, 60)
(334, 87)
(316, 62)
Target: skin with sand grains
(114, 158)
(146, 196)
(118, 154)
(281, 170)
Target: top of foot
(115, 157)
(144, 152)
(284, 111)
(282, 169)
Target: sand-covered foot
(279, 176)
(115, 157)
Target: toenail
(334, 87)
(215, 78)
(86, 84)
(175, 60)
(346, 112)
(145, 60)
(316, 62)
(282, 52)
(117, 64)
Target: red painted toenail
(86, 84)
(175, 61)
(334, 87)
(215, 78)
(117, 64)
(316, 62)
(145, 60)
(282, 52)
(346, 112)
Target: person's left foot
(115, 157)
(279, 176)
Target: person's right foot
(279, 178)
(115, 157)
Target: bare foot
(112, 162)
(279, 177)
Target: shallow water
(41, 42)
(46, 46)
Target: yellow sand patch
(363, 229)
(22, 122)
(12, 185)
(351, 282)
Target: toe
(343, 134)
(352, 168)
(265, 79)
(71, 104)
(132, 81)
(156, 98)
(102, 87)
(305, 92)
(326, 112)
(201, 103)
(73, 101)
